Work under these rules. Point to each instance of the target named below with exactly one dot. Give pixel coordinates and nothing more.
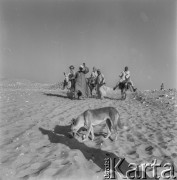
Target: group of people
(125, 79)
(81, 87)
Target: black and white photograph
(88, 89)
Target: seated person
(125, 78)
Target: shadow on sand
(118, 99)
(97, 155)
(56, 95)
(66, 97)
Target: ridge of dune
(34, 126)
(28, 84)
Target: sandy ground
(35, 126)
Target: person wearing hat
(71, 76)
(92, 80)
(81, 86)
(94, 73)
(100, 81)
(66, 82)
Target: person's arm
(121, 75)
(76, 75)
(127, 75)
(102, 79)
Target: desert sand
(35, 126)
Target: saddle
(124, 85)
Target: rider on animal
(125, 79)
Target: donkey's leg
(114, 88)
(122, 93)
(89, 128)
(92, 133)
(108, 124)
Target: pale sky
(39, 39)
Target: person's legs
(75, 95)
(131, 82)
(101, 94)
(63, 85)
(117, 85)
(72, 85)
(91, 89)
(98, 91)
(68, 85)
(88, 90)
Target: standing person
(81, 87)
(100, 81)
(94, 73)
(124, 78)
(71, 77)
(162, 87)
(66, 82)
(92, 80)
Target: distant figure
(100, 81)
(125, 78)
(81, 87)
(162, 87)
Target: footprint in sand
(130, 138)
(144, 151)
(160, 140)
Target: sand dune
(35, 141)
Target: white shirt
(100, 79)
(94, 74)
(125, 75)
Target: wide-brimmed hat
(71, 67)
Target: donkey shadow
(97, 155)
